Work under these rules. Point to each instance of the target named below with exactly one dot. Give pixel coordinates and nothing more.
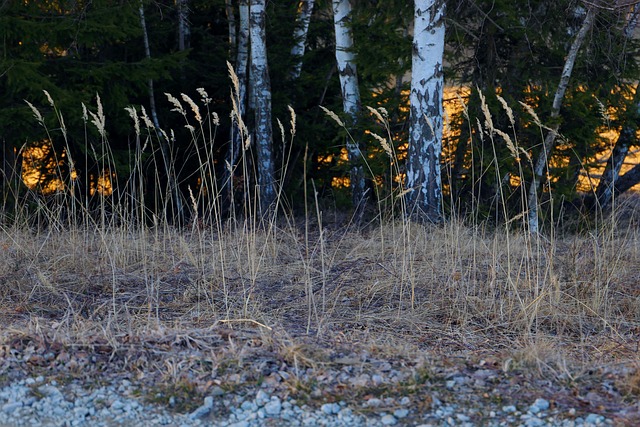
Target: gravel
(36, 402)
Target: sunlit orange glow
(325, 160)
(104, 184)
(340, 182)
(35, 174)
(53, 51)
(42, 171)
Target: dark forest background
(78, 50)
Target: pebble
(109, 406)
(509, 409)
(10, 408)
(388, 420)
(401, 413)
(330, 408)
(274, 407)
(594, 419)
(463, 418)
(539, 405)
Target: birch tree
(423, 178)
(549, 141)
(305, 9)
(261, 94)
(346, 63)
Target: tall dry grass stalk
(122, 266)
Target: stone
(330, 408)
(273, 407)
(539, 405)
(401, 413)
(509, 409)
(11, 407)
(388, 420)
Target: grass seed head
(333, 115)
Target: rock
(274, 407)
(539, 405)
(330, 408)
(463, 418)
(360, 381)
(203, 410)
(373, 402)
(401, 413)
(249, 406)
(216, 391)
(377, 379)
(11, 407)
(509, 409)
(388, 420)
(262, 398)
(594, 419)
(117, 405)
(81, 411)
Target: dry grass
(306, 291)
(580, 293)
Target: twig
(245, 321)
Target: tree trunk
(184, 31)
(305, 9)
(346, 62)
(164, 144)
(628, 180)
(231, 20)
(611, 174)
(241, 67)
(425, 133)
(543, 158)
(262, 98)
(607, 183)
(11, 175)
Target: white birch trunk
(549, 141)
(346, 62)
(305, 9)
(242, 60)
(262, 98)
(425, 134)
(164, 144)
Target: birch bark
(425, 134)
(347, 69)
(305, 9)
(261, 94)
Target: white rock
(401, 413)
(389, 420)
(11, 407)
(273, 407)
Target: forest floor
(327, 314)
